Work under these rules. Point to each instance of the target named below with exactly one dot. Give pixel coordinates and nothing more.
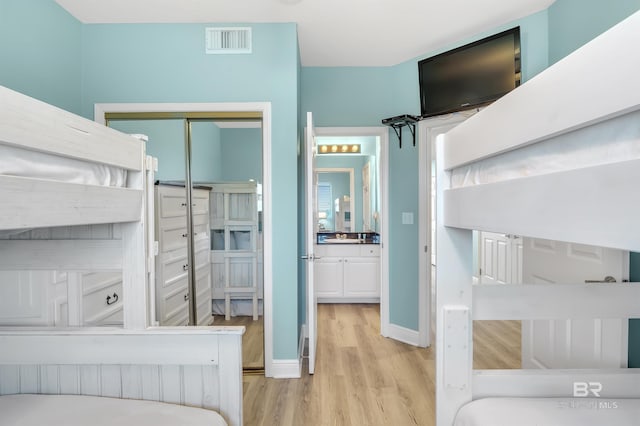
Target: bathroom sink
(342, 241)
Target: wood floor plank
(252, 340)
(362, 378)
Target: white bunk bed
(58, 170)
(486, 180)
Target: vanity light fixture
(339, 149)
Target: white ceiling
(330, 32)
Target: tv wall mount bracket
(400, 121)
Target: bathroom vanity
(347, 268)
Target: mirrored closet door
(208, 220)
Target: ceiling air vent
(228, 40)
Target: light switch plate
(407, 218)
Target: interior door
(310, 226)
(500, 258)
(598, 343)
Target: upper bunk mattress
(75, 410)
(610, 141)
(32, 164)
(550, 411)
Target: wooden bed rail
(195, 366)
(555, 301)
(32, 124)
(615, 383)
(560, 206)
(66, 255)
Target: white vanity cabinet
(172, 281)
(347, 273)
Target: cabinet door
(23, 298)
(172, 286)
(328, 277)
(361, 277)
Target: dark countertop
(180, 183)
(348, 238)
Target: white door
(500, 258)
(599, 343)
(310, 226)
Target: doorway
(428, 130)
(368, 197)
(238, 231)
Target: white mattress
(25, 163)
(550, 412)
(609, 142)
(74, 410)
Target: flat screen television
(471, 75)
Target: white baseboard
(286, 369)
(404, 335)
(348, 300)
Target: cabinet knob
(186, 297)
(185, 267)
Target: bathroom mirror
(336, 201)
(349, 175)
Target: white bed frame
(595, 205)
(191, 366)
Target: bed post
(135, 286)
(454, 350)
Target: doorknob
(607, 279)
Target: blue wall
(572, 23)
(166, 143)
(40, 52)
(206, 152)
(167, 63)
(242, 153)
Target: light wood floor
(252, 340)
(362, 378)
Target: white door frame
(265, 109)
(310, 208)
(428, 129)
(383, 164)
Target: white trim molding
(428, 129)
(286, 369)
(404, 335)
